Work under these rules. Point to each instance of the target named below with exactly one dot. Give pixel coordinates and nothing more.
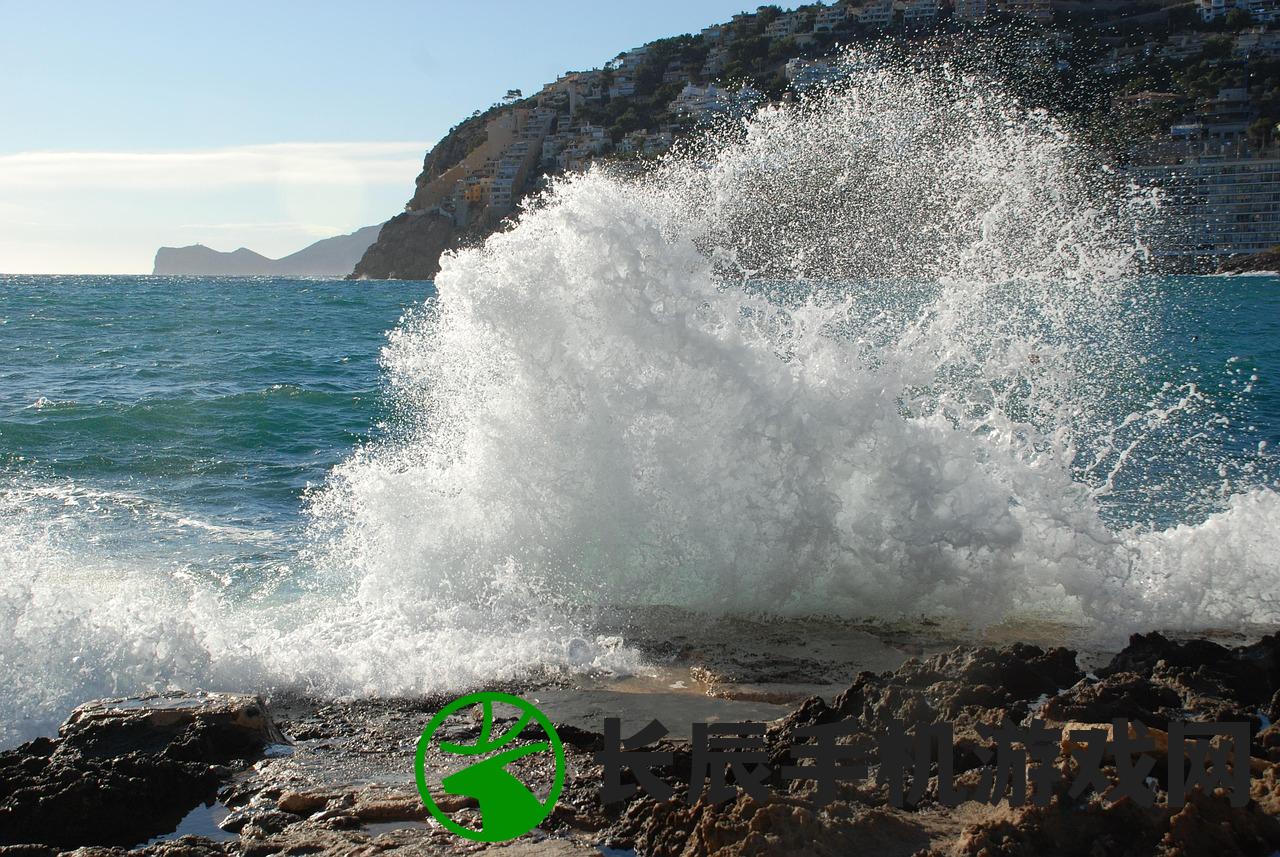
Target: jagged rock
(1247, 675)
(215, 727)
(124, 770)
(780, 825)
(27, 851)
(1155, 680)
(964, 687)
(186, 846)
(408, 248)
(1122, 694)
(1264, 261)
(347, 793)
(1267, 743)
(949, 685)
(1120, 829)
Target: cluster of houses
(551, 137)
(802, 24)
(1222, 190)
(1254, 43)
(1219, 183)
(1264, 11)
(1220, 186)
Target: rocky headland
(329, 257)
(218, 774)
(409, 247)
(1268, 262)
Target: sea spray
(868, 352)
(884, 350)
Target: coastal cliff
(1057, 57)
(408, 248)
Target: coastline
(335, 776)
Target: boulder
(125, 770)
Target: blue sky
(268, 124)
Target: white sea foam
(861, 354)
(921, 419)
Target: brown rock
(300, 803)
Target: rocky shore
(220, 774)
(1267, 261)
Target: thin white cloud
(310, 164)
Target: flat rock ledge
(126, 777)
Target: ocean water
(887, 351)
(177, 423)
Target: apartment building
(876, 13)
(804, 73)
(717, 61)
(698, 101)
(1183, 47)
(1256, 43)
(782, 26)
(917, 14)
(1216, 201)
(1263, 11)
(830, 18)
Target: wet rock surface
(123, 770)
(346, 784)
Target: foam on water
(863, 354)
(878, 352)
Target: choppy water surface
(890, 351)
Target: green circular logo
(508, 808)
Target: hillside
(1144, 81)
(330, 257)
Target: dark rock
(1248, 675)
(963, 687)
(27, 851)
(1264, 261)
(349, 794)
(1123, 694)
(408, 248)
(125, 770)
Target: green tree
(1262, 132)
(1239, 19)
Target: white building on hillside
(919, 13)
(1216, 204)
(804, 73)
(782, 26)
(830, 18)
(698, 101)
(876, 13)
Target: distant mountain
(332, 257)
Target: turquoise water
(983, 414)
(183, 420)
(180, 422)
(162, 443)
